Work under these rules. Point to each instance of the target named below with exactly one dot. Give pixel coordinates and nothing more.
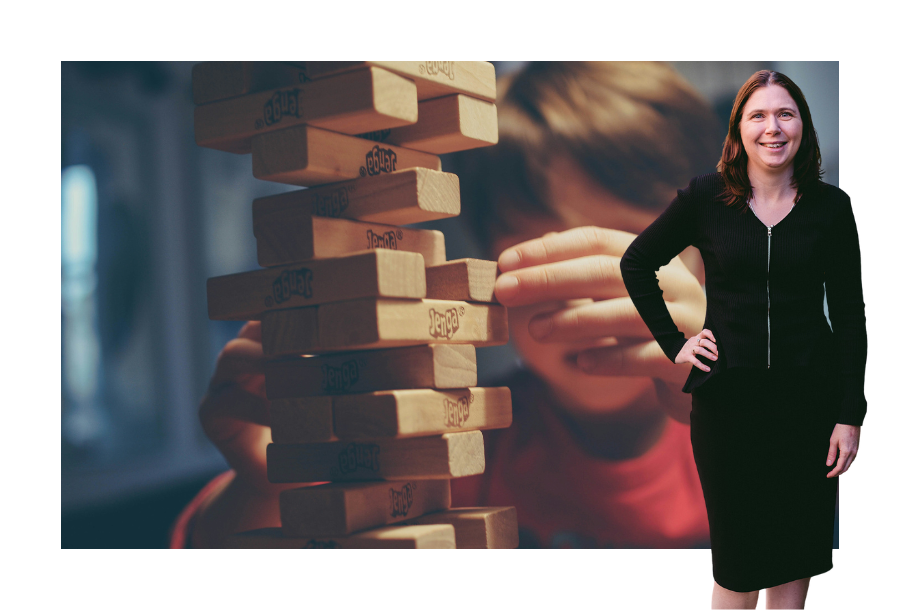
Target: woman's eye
(787, 114)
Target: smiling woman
(777, 395)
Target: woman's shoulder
(830, 192)
(705, 187)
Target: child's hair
(636, 128)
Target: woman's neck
(771, 187)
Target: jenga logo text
(456, 412)
(359, 455)
(434, 68)
(282, 104)
(443, 325)
(340, 378)
(388, 239)
(376, 136)
(321, 544)
(401, 500)
(379, 161)
(292, 282)
(331, 204)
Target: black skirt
(760, 439)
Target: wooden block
(410, 413)
(346, 508)
(404, 197)
(451, 455)
(464, 279)
(306, 155)
(420, 366)
(445, 125)
(388, 537)
(301, 238)
(351, 103)
(246, 296)
(382, 323)
(432, 78)
(218, 80)
(302, 420)
(493, 527)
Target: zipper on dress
(768, 303)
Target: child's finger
(251, 330)
(555, 247)
(637, 360)
(610, 318)
(239, 357)
(595, 277)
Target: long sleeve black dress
(762, 417)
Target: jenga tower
(369, 333)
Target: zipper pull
(770, 231)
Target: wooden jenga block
(445, 125)
(432, 78)
(478, 528)
(302, 420)
(420, 366)
(382, 323)
(306, 155)
(465, 279)
(360, 101)
(346, 508)
(301, 238)
(246, 296)
(219, 80)
(409, 413)
(451, 455)
(403, 197)
(388, 537)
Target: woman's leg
(726, 598)
(789, 595)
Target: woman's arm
(846, 310)
(666, 237)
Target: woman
(777, 395)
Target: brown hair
(733, 164)
(636, 128)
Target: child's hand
(235, 416)
(584, 263)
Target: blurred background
(147, 216)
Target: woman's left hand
(844, 439)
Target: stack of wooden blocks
(369, 333)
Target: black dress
(762, 418)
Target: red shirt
(565, 497)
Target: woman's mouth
(774, 145)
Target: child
(599, 452)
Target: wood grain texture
(217, 80)
(432, 78)
(351, 103)
(445, 125)
(389, 537)
(494, 527)
(345, 508)
(421, 366)
(450, 455)
(403, 197)
(304, 237)
(382, 323)
(411, 413)
(306, 155)
(302, 420)
(248, 295)
(464, 279)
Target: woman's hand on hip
(844, 446)
(702, 344)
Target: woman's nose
(772, 125)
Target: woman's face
(771, 130)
